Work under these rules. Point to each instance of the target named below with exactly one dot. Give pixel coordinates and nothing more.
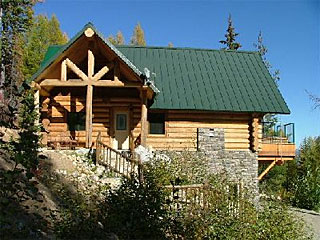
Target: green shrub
(188, 167)
(274, 182)
(136, 211)
(303, 181)
(229, 217)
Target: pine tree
(138, 36)
(112, 39)
(120, 38)
(43, 33)
(231, 37)
(15, 18)
(263, 50)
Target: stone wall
(238, 166)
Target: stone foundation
(238, 166)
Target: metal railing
(278, 133)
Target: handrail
(116, 161)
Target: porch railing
(116, 162)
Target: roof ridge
(188, 48)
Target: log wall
(180, 126)
(181, 130)
(103, 109)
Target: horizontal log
(115, 104)
(130, 100)
(101, 120)
(204, 117)
(202, 112)
(237, 134)
(97, 125)
(96, 109)
(236, 146)
(186, 124)
(151, 140)
(101, 115)
(236, 140)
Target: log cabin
(156, 96)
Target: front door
(121, 131)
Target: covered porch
(90, 88)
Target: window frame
(125, 122)
(81, 117)
(163, 124)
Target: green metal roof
(206, 79)
(198, 79)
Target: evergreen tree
(112, 39)
(138, 36)
(263, 50)
(231, 37)
(15, 18)
(304, 175)
(43, 33)
(120, 38)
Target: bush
(144, 211)
(229, 217)
(273, 184)
(304, 179)
(136, 211)
(188, 167)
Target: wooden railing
(116, 162)
(179, 196)
(205, 195)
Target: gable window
(156, 123)
(76, 121)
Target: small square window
(121, 122)
(76, 121)
(156, 123)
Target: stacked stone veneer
(238, 166)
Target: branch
(315, 99)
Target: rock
(6, 134)
(143, 153)
(82, 151)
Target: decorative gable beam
(76, 70)
(64, 70)
(90, 64)
(99, 74)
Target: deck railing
(205, 195)
(278, 133)
(117, 162)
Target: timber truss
(93, 79)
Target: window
(76, 121)
(156, 123)
(121, 122)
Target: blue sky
(291, 31)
